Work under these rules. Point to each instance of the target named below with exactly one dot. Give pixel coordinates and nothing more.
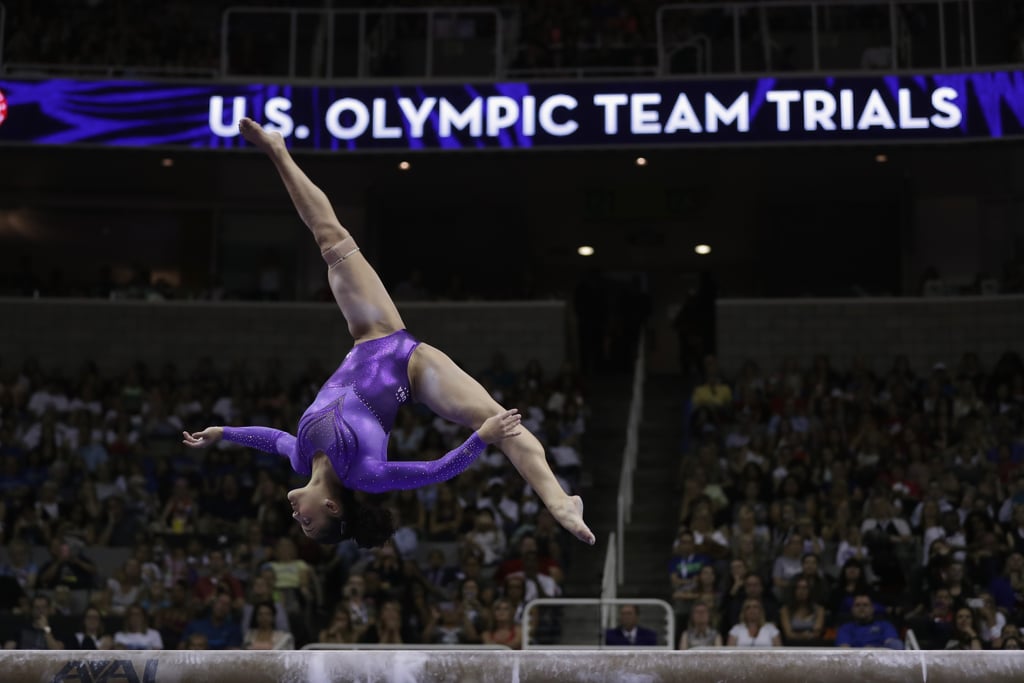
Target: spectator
(753, 630)
(68, 566)
(127, 588)
(93, 635)
(445, 520)
(684, 570)
(802, 618)
(866, 630)
(629, 631)
(447, 625)
(220, 630)
(487, 536)
(504, 630)
(260, 592)
(136, 634)
(700, 632)
(787, 565)
(388, 627)
(340, 629)
(172, 618)
(852, 583)
(263, 633)
(218, 579)
(37, 634)
(966, 634)
(19, 565)
(753, 589)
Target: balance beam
(781, 665)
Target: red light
(3, 107)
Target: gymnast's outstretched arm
(377, 476)
(265, 439)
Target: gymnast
(341, 442)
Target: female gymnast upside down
(341, 443)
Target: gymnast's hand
(500, 426)
(207, 437)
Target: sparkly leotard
(350, 420)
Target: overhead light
(702, 249)
(585, 250)
(404, 165)
(641, 161)
(167, 162)
(881, 158)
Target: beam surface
(490, 666)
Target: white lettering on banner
(738, 112)
(274, 112)
(415, 114)
(611, 103)
(643, 121)
(547, 115)
(683, 117)
(450, 117)
(782, 99)
(846, 109)
(875, 113)
(819, 108)
(217, 125)
(949, 115)
(907, 119)
(339, 107)
(529, 116)
(381, 130)
(502, 112)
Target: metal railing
(829, 35)
(605, 621)
(624, 499)
(372, 33)
(50, 70)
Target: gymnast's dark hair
(368, 525)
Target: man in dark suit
(629, 631)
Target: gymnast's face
(313, 507)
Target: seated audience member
(802, 620)
(700, 632)
(263, 633)
(136, 633)
(217, 579)
(92, 634)
(447, 626)
(220, 630)
(851, 583)
(340, 628)
(866, 630)
(966, 633)
(629, 631)
(388, 627)
(753, 630)
(753, 589)
(37, 634)
(504, 630)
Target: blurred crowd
(828, 507)
(116, 535)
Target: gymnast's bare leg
(436, 380)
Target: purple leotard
(350, 421)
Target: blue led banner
(543, 115)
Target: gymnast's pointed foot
(254, 133)
(570, 516)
